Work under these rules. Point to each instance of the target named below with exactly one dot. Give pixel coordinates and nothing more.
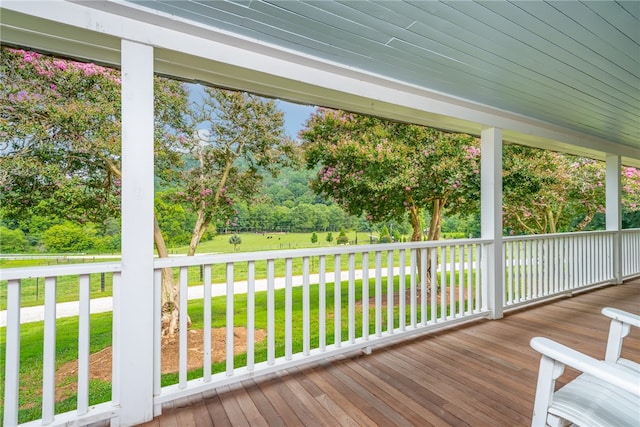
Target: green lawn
(252, 242)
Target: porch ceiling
(560, 75)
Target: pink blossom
(62, 65)
(30, 56)
(473, 151)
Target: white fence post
(614, 211)
(134, 328)
(491, 218)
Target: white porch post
(491, 217)
(614, 212)
(134, 304)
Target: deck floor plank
(270, 387)
(347, 407)
(216, 411)
(482, 373)
(347, 387)
(270, 414)
(232, 407)
(448, 384)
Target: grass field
(252, 242)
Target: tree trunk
(198, 231)
(585, 221)
(416, 235)
(170, 292)
(551, 221)
(434, 234)
(436, 219)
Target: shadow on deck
(480, 374)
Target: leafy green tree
(329, 238)
(263, 217)
(174, 221)
(13, 241)
(548, 192)
(342, 238)
(281, 218)
(389, 170)
(302, 217)
(630, 197)
(320, 216)
(314, 238)
(534, 183)
(235, 240)
(236, 138)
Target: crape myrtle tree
(231, 140)
(236, 138)
(631, 194)
(549, 192)
(60, 129)
(388, 170)
(534, 183)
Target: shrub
(68, 237)
(385, 236)
(342, 238)
(12, 241)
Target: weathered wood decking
(481, 374)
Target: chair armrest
(622, 316)
(608, 372)
(620, 327)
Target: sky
(294, 116)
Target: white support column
(614, 211)
(134, 330)
(491, 217)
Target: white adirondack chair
(621, 323)
(606, 394)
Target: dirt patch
(100, 362)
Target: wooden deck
(482, 374)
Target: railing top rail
(557, 235)
(308, 252)
(630, 230)
(59, 270)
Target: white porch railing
(343, 299)
(630, 252)
(540, 266)
(84, 413)
(310, 304)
